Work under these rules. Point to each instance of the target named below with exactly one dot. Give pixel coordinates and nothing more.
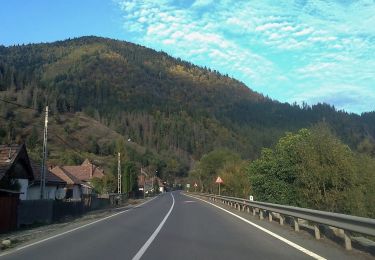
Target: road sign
(219, 181)
(251, 198)
(188, 185)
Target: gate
(8, 211)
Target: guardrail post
(316, 231)
(300, 215)
(281, 219)
(347, 239)
(296, 224)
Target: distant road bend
(175, 226)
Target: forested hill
(160, 102)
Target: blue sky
(291, 50)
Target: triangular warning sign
(219, 180)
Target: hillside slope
(160, 102)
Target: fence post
(281, 219)
(269, 216)
(261, 214)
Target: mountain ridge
(159, 101)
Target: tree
(310, 168)
(105, 185)
(208, 167)
(32, 139)
(129, 177)
(236, 181)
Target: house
(79, 177)
(85, 172)
(147, 182)
(16, 172)
(55, 187)
(73, 188)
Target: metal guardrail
(343, 222)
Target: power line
(26, 107)
(66, 143)
(56, 135)
(16, 104)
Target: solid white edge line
(292, 244)
(153, 236)
(72, 230)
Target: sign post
(219, 181)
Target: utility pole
(44, 161)
(119, 174)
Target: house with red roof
(19, 173)
(55, 186)
(15, 169)
(73, 189)
(78, 178)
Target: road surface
(174, 226)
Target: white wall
(50, 192)
(33, 192)
(76, 192)
(24, 183)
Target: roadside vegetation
(309, 168)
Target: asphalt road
(174, 226)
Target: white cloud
(304, 31)
(274, 47)
(341, 95)
(288, 28)
(269, 26)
